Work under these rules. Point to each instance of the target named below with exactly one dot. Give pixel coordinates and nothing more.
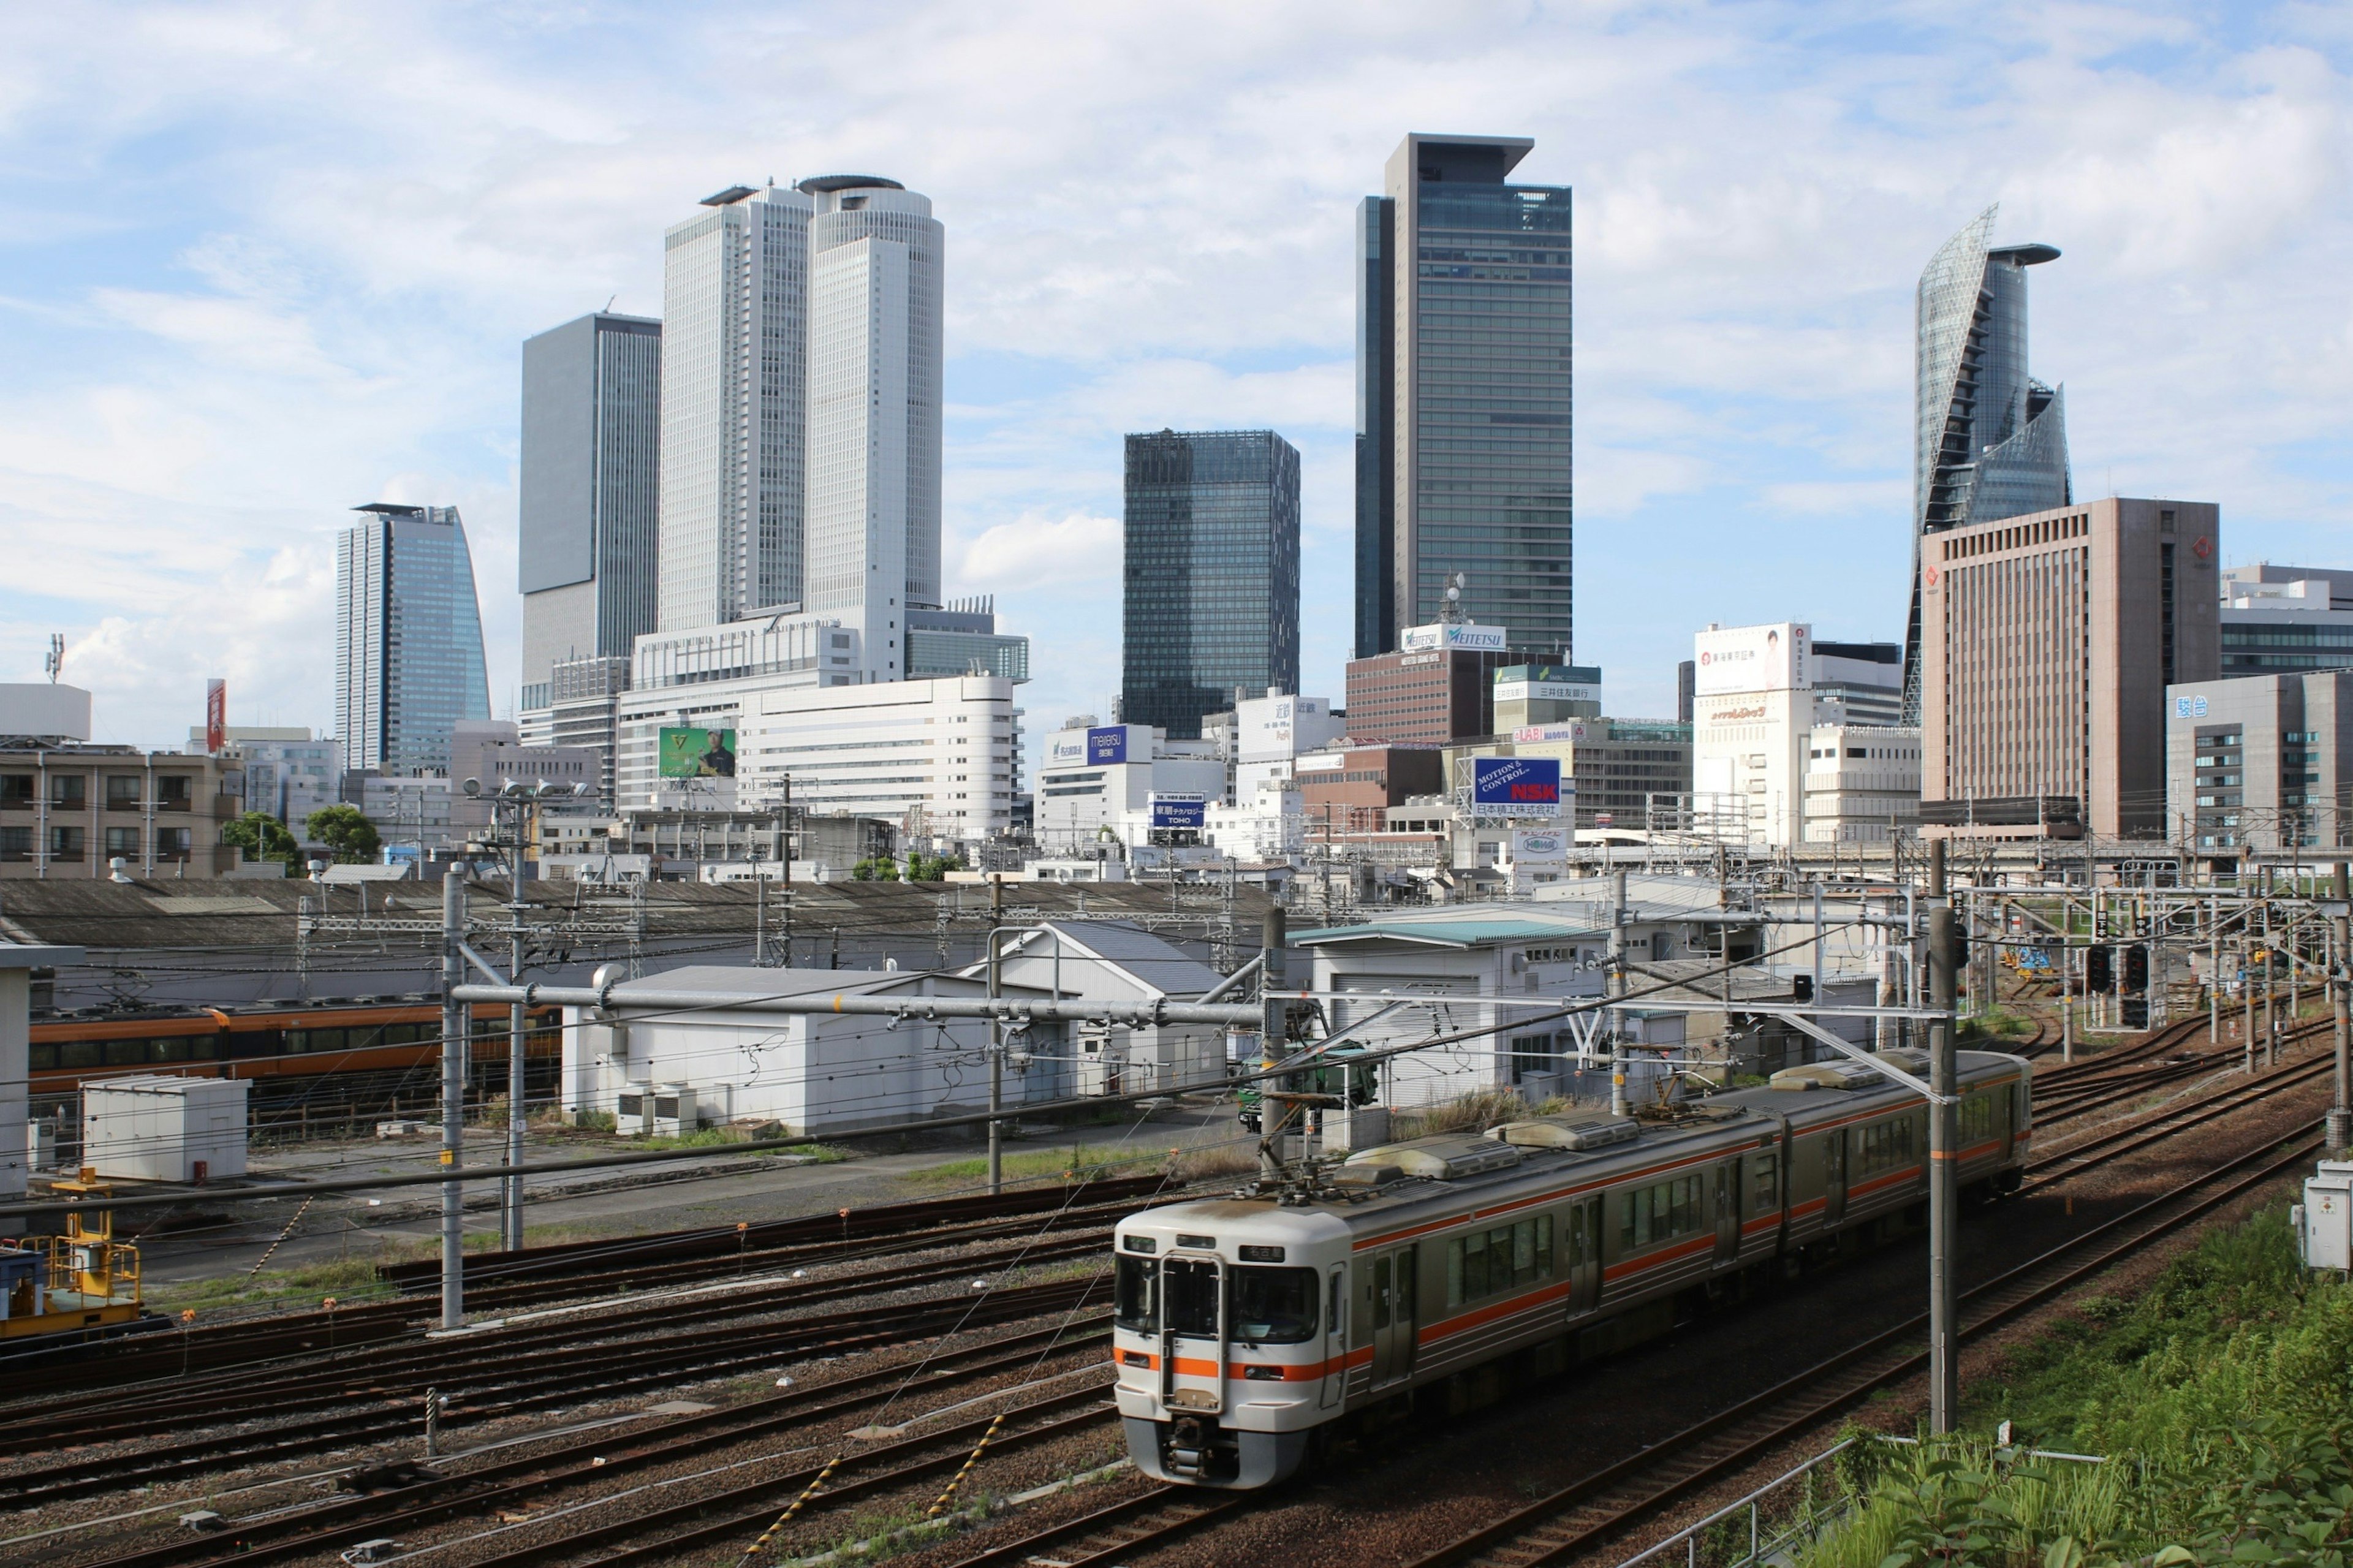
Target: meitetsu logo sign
(1107, 744)
(1515, 786)
(1469, 638)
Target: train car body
(1245, 1330)
(264, 1043)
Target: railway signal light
(2135, 969)
(2099, 969)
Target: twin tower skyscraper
(770, 447)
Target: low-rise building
(2285, 620)
(2261, 764)
(287, 772)
(1539, 694)
(1351, 789)
(72, 809)
(1436, 688)
(1621, 771)
(1861, 783)
(1122, 782)
(1108, 960)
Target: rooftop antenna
(54, 661)
(1452, 614)
(609, 304)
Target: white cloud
(1032, 552)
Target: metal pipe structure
(1273, 1015)
(511, 1193)
(1944, 1154)
(2340, 991)
(923, 1009)
(996, 1035)
(453, 1032)
(1616, 982)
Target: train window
(1977, 1119)
(1659, 1212)
(1580, 1243)
(1500, 1259)
(1133, 1307)
(1380, 1292)
(1764, 1184)
(125, 1053)
(1191, 1289)
(1271, 1306)
(204, 1048)
(81, 1054)
(258, 1042)
(171, 1050)
(44, 1057)
(298, 1041)
(1886, 1146)
(303, 1041)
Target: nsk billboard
(1515, 786)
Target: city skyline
(1745, 279)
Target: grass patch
(2219, 1395)
(1073, 1163)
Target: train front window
(1272, 1306)
(1132, 1289)
(1190, 1297)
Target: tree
(262, 838)
(875, 869)
(346, 831)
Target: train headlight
(1133, 1358)
(1263, 1375)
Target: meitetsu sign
(1462, 637)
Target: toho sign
(1180, 810)
(1515, 786)
(693, 753)
(1464, 637)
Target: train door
(1583, 1252)
(1336, 1338)
(1193, 1333)
(1390, 1301)
(1834, 1174)
(1728, 1212)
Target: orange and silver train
(1247, 1330)
(270, 1041)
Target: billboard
(1531, 734)
(1547, 691)
(1067, 747)
(1515, 786)
(693, 753)
(1539, 847)
(1462, 637)
(1180, 810)
(1106, 744)
(216, 716)
(1752, 658)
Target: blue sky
(260, 263)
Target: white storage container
(2325, 1219)
(164, 1129)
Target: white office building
(1272, 732)
(287, 773)
(1759, 696)
(940, 757)
(1131, 779)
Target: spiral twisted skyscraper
(1990, 441)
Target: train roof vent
(1443, 1158)
(1380, 1175)
(1581, 1130)
(1912, 1061)
(1840, 1074)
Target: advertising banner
(1180, 811)
(1469, 638)
(1752, 658)
(1106, 744)
(1515, 786)
(1539, 846)
(692, 753)
(216, 716)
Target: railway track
(182, 1353)
(500, 1488)
(2064, 1165)
(1555, 1528)
(378, 1396)
(1111, 1535)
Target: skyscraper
(875, 366)
(591, 454)
(409, 637)
(734, 413)
(1465, 397)
(1988, 440)
(1211, 601)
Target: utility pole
(2340, 1115)
(510, 1190)
(453, 1099)
(1273, 976)
(785, 855)
(1616, 980)
(1943, 1306)
(996, 1035)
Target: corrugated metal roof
(1455, 933)
(1155, 962)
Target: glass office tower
(1988, 440)
(1211, 573)
(1464, 374)
(408, 638)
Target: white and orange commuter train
(1248, 1329)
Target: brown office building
(1353, 790)
(2048, 641)
(70, 810)
(1426, 698)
